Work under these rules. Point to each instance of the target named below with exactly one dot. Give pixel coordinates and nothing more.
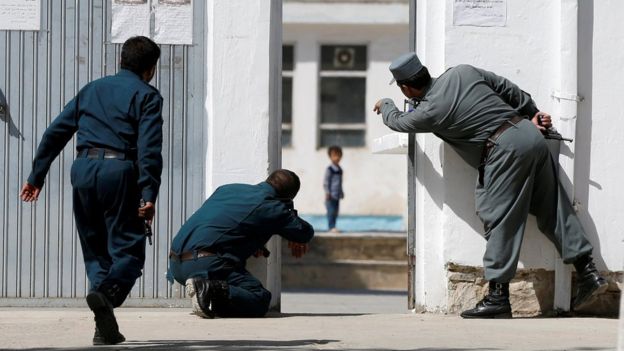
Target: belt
(491, 141)
(190, 255)
(102, 153)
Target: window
(343, 95)
(288, 64)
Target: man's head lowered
(140, 54)
(286, 183)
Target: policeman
(118, 124)
(209, 252)
(495, 127)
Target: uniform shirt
(463, 107)
(238, 219)
(121, 113)
(332, 182)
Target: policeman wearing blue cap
(118, 123)
(497, 128)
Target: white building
(335, 67)
(565, 54)
(222, 125)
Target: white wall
(242, 104)
(600, 139)
(527, 51)
(373, 184)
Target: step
(373, 261)
(345, 274)
(353, 246)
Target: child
(333, 187)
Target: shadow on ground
(323, 314)
(243, 345)
(246, 345)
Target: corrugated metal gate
(39, 72)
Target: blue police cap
(405, 66)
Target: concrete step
(348, 261)
(354, 246)
(346, 274)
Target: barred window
(288, 65)
(343, 95)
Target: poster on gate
(480, 13)
(164, 21)
(20, 14)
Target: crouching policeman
(118, 123)
(209, 252)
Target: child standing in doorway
(332, 184)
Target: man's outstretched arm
(415, 121)
(52, 143)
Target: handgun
(148, 228)
(552, 133)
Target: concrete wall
(600, 171)
(528, 51)
(242, 105)
(373, 184)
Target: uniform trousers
(247, 296)
(112, 236)
(519, 178)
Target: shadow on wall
(5, 116)
(584, 125)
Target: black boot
(115, 293)
(106, 328)
(99, 340)
(589, 283)
(207, 295)
(494, 305)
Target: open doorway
(334, 70)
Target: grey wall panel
(39, 73)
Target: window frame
(288, 127)
(321, 127)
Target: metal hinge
(570, 97)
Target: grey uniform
(463, 107)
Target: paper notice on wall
(480, 13)
(130, 18)
(165, 21)
(20, 14)
(173, 21)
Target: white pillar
(243, 104)
(567, 106)
(430, 277)
(621, 342)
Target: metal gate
(40, 71)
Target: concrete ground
(310, 321)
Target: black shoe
(589, 285)
(105, 322)
(198, 289)
(207, 295)
(99, 340)
(494, 305)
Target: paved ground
(309, 322)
